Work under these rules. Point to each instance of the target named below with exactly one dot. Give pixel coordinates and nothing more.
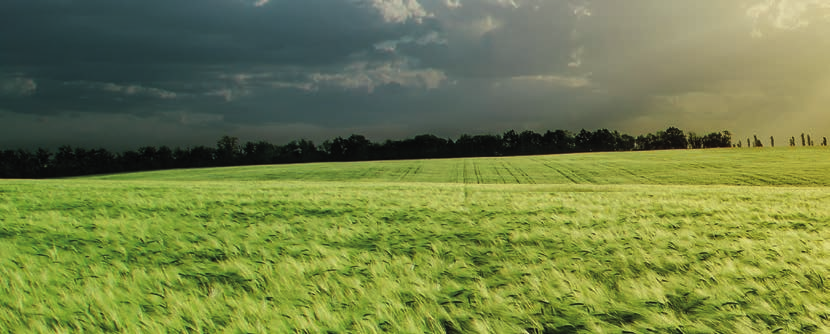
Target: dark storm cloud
(504, 39)
(179, 43)
(150, 56)
(188, 71)
(189, 32)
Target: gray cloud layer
(123, 73)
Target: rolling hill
(703, 241)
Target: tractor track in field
(527, 176)
(477, 170)
(369, 172)
(464, 173)
(573, 178)
(507, 166)
(569, 177)
(498, 173)
(466, 183)
(795, 180)
(406, 172)
(629, 172)
(410, 171)
(468, 179)
(757, 180)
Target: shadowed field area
(664, 242)
(779, 166)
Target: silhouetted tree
(694, 140)
(335, 149)
(648, 141)
(583, 141)
(480, 146)
(99, 161)
(165, 158)
(147, 158)
(559, 141)
(65, 163)
(428, 146)
(130, 161)
(674, 138)
(809, 141)
(718, 139)
(756, 142)
(354, 148)
(202, 156)
(726, 138)
(626, 143)
(180, 156)
(24, 164)
(771, 141)
(43, 158)
(260, 153)
(464, 146)
(228, 150)
(18, 164)
(358, 148)
(510, 140)
(823, 141)
(792, 141)
(603, 140)
(530, 143)
(305, 151)
(803, 140)
(68, 161)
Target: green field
(698, 241)
(782, 166)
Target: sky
(120, 74)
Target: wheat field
(698, 241)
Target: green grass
(779, 166)
(662, 242)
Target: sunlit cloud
(126, 90)
(485, 25)
(392, 45)
(581, 11)
(365, 76)
(507, 3)
(17, 86)
(398, 11)
(556, 80)
(787, 14)
(452, 4)
(576, 57)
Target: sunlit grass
(757, 166)
(147, 256)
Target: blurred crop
(663, 242)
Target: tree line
(806, 140)
(69, 161)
